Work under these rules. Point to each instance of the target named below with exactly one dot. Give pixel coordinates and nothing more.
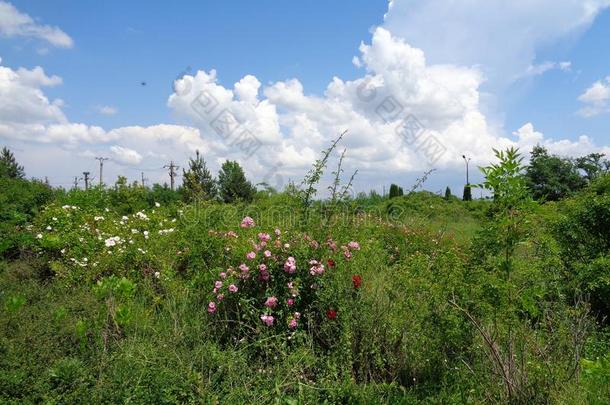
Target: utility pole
(143, 180)
(86, 174)
(467, 160)
(101, 159)
(172, 172)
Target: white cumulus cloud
(596, 98)
(125, 155)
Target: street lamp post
(467, 160)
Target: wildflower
(353, 245)
(145, 234)
(264, 237)
(267, 253)
(357, 281)
(293, 324)
(250, 255)
(232, 234)
(39, 236)
(267, 319)
(220, 297)
(290, 266)
(277, 232)
(223, 275)
(111, 241)
(247, 222)
(262, 267)
(297, 315)
(49, 228)
(212, 307)
(331, 314)
(157, 274)
(218, 284)
(54, 218)
(233, 288)
(331, 263)
(332, 245)
(347, 254)
(290, 302)
(287, 245)
(317, 269)
(98, 218)
(244, 268)
(271, 302)
(157, 205)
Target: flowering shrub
(86, 244)
(276, 279)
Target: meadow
(132, 295)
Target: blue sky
(478, 75)
(119, 44)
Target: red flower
(331, 263)
(331, 314)
(357, 280)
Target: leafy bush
(582, 232)
(20, 201)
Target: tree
(467, 196)
(198, 182)
(394, 190)
(593, 165)
(550, 177)
(447, 193)
(9, 166)
(232, 183)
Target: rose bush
(277, 279)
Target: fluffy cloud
(125, 155)
(528, 137)
(15, 23)
(32, 121)
(500, 36)
(398, 89)
(596, 98)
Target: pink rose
(267, 319)
(271, 302)
(247, 222)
